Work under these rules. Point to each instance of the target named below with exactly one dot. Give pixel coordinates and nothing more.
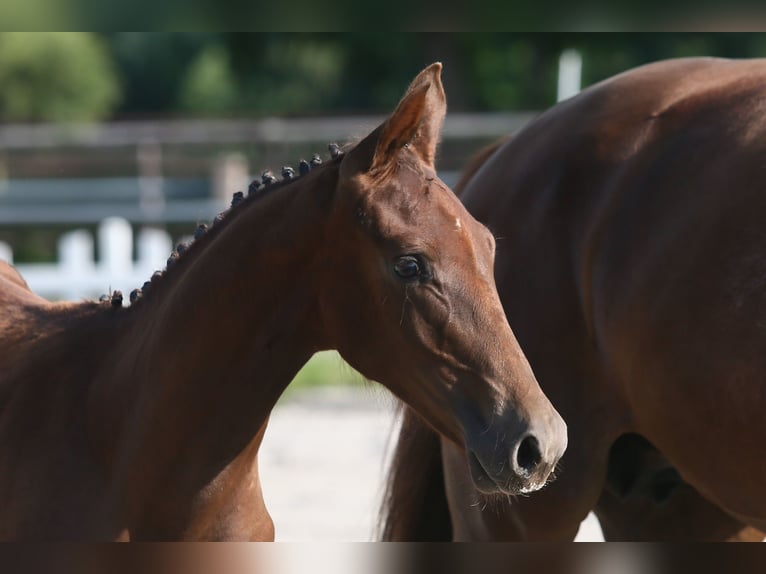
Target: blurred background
(159, 129)
(113, 146)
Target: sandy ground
(323, 462)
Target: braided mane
(267, 184)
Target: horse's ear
(416, 122)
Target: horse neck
(216, 341)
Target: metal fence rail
(267, 130)
(148, 164)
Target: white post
(154, 247)
(76, 252)
(115, 244)
(570, 74)
(150, 181)
(6, 253)
(230, 174)
(75, 264)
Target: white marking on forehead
(458, 225)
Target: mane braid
(205, 234)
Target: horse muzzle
(521, 465)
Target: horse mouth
(488, 484)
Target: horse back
(651, 174)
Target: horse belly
(683, 328)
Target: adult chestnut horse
(145, 422)
(631, 262)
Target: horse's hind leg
(685, 517)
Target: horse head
(410, 301)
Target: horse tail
(475, 163)
(414, 504)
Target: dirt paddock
(323, 462)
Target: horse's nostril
(528, 455)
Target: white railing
(77, 275)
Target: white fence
(77, 275)
(570, 75)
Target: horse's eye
(409, 268)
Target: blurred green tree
(265, 73)
(150, 74)
(59, 76)
(209, 86)
(152, 67)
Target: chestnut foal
(144, 423)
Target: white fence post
(75, 265)
(6, 253)
(76, 275)
(230, 172)
(115, 246)
(153, 248)
(75, 250)
(570, 74)
(150, 181)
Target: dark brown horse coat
(631, 262)
(145, 423)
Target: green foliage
(295, 75)
(514, 73)
(73, 76)
(152, 67)
(209, 87)
(324, 369)
(281, 74)
(59, 76)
